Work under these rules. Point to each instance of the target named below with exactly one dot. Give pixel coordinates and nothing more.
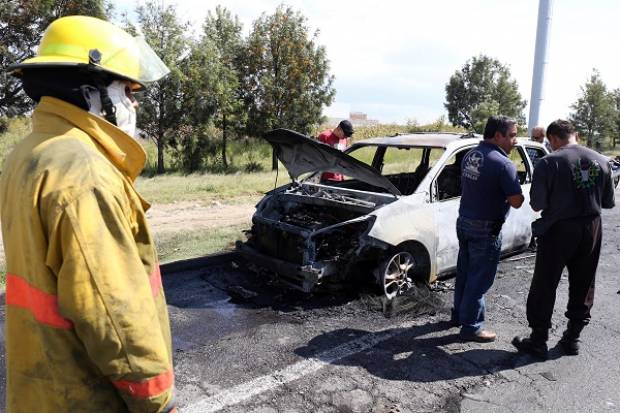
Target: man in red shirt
(338, 138)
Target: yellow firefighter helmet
(96, 45)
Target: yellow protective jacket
(87, 327)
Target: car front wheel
(394, 274)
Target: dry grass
(178, 246)
(239, 187)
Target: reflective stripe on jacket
(87, 326)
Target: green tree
(195, 139)
(615, 100)
(481, 88)
(162, 107)
(22, 23)
(593, 112)
(286, 80)
(214, 106)
(222, 36)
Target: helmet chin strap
(107, 107)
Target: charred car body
(394, 215)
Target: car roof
(431, 139)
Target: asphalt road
(278, 351)
(245, 344)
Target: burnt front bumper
(302, 277)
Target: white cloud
(392, 58)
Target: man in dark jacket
(570, 186)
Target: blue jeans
(479, 247)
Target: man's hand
(516, 201)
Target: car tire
(401, 267)
(394, 273)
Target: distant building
(358, 117)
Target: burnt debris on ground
(419, 299)
(241, 287)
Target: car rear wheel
(394, 273)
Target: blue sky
(392, 58)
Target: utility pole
(540, 61)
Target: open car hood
(301, 154)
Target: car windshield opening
(404, 166)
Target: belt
(493, 227)
(482, 223)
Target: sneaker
(535, 348)
(482, 336)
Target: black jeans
(573, 243)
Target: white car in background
(393, 216)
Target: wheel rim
(395, 275)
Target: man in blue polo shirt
(490, 187)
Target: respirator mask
(122, 106)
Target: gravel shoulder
(183, 216)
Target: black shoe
(570, 338)
(454, 319)
(535, 348)
(570, 347)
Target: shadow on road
(408, 354)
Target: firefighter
(87, 328)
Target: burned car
(393, 216)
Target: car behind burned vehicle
(393, 216)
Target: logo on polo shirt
(472, 164)
(585, 173)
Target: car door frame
(446, 213)
(516, 232)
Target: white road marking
(246, 391)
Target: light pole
(540, 61)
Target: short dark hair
(499, 124)
(561, 128)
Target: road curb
(210, 260)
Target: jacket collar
(494, 146)
(120, 148)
